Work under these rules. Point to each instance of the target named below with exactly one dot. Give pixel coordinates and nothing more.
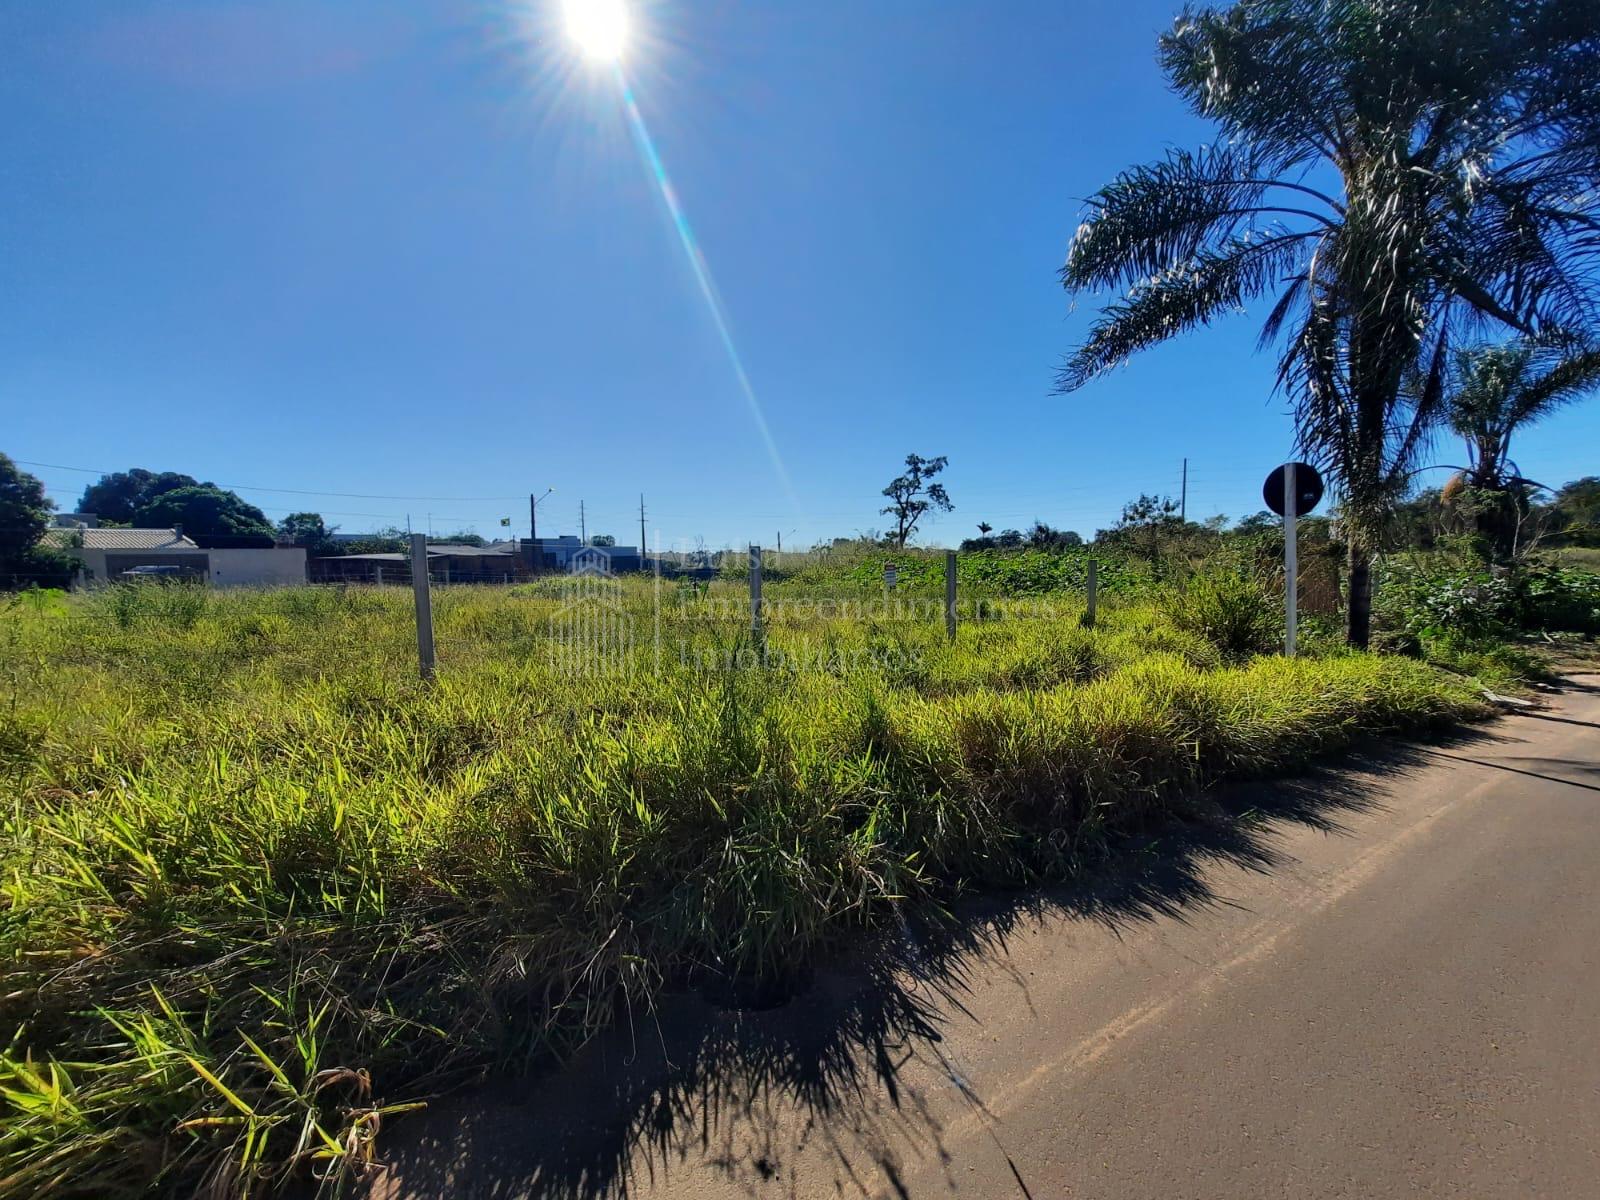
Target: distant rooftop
(118, 539)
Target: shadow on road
(695, 1082)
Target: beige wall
(279, 566)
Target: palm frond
(1153, 217)
(1172, 301)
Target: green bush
(1231, 609)
(1444, 599)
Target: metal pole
(419, 586)
(1291, 559)
(1093, 590)
(950, 594)
(755, 593)
(1183, 502)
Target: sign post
(891, 575)
(1291, 562)
(1291, 491)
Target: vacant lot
(263, 885)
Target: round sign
(1307, 488)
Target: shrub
(1461, 603)
(1231, 609)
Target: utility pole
(1183, 502)
(641, 528)
(780, 541)
(583, 527)
(535, 558)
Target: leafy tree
(602, 539)
(983, 541)
(212, 517)
(118, 497)
(308, 529)
(1256, 523)
(24, 516)
(461, 537)
(392, 540)
(1145, 525)
(1578, 506)
(1390, 172)
(303, 528)
(1043, 537)
(1491, 393)
(911, 495)
(1010, 539)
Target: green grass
(262, 887)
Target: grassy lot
(262, 887)
(1587, 557)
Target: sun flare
(599, 28)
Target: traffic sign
(1307, 486)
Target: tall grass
(262, 888)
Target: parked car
(166, 571)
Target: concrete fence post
(1093, 592)
(755, 594)
(950, 594)
(424, 600)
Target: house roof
(118, 539)
(435, 550)
(460, 551)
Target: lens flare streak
(702, 274)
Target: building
(448, 562)
(557, 554)
(106, 555)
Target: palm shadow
(696, 1082)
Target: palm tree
(1493, 391)
(1392, 173)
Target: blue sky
(411, 251)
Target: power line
(251, 487)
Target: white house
(105, 555)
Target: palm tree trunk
(1358, 605)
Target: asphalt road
(1388, 983)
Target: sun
(598, 27)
